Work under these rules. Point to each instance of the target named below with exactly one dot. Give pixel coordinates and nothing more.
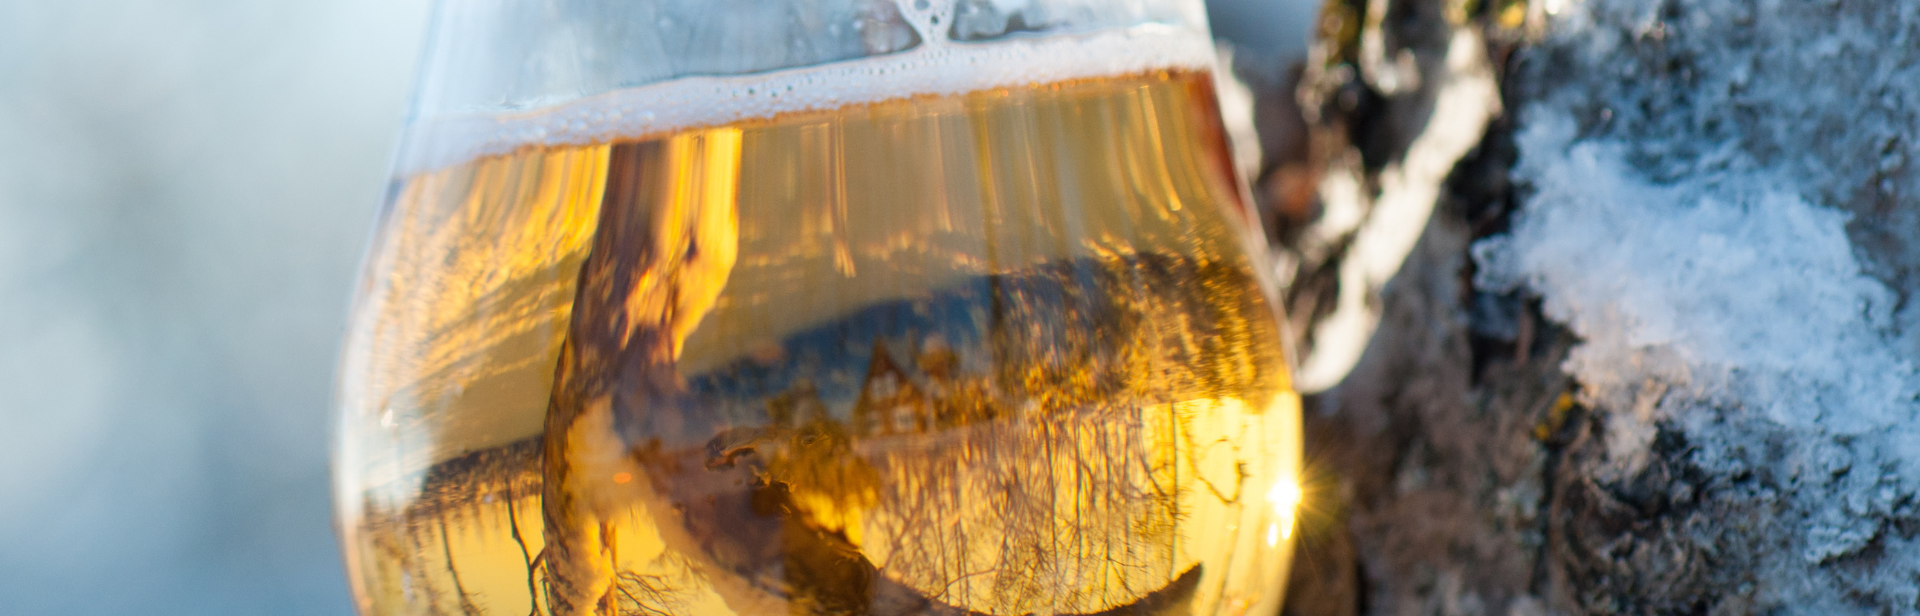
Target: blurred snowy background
(185, 188)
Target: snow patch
(1716, 196)
(1735, 288)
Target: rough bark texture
(1462, 464)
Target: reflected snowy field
(185, 188)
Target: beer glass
(800, 307)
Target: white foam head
(938, 67)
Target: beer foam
(935, 68)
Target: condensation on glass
(837, 307)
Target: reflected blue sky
(185, 188)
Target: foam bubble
(938, 68)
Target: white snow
(1733, 286)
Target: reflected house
(895, 398)
(890, 402)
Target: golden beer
(999, 352)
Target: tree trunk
(1602, 305)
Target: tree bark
(1459, 462)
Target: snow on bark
(1743, 292)
(1655, 348)
(1720, 208)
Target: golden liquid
(998, 353)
